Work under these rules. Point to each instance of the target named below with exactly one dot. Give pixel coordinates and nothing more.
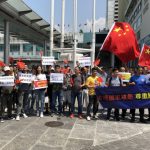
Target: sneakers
(80, 117)
(25, 116)
(17, 118)
(72, 116)
(95, 117)
(88, 118)
(2, 120)
(41, 115)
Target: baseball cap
(6, 68)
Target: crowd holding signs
(124, 88)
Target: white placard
(56, 78)
(84, 61)
(48, 60)
(7, 81)
(25, 78)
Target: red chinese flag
(121, 41)
(96, 62)
(144, 59)
(21, 65)
(2, 64)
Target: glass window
(27, 47)
(1, 47)
(39, 48)
(139, 21)
(14, 47)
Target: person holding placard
(57, 92)
(138, 79)
(6, 97)
(23, 93)
(40, 76)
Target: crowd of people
(23, 100)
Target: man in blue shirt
(138, 79)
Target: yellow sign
(125, 76)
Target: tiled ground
(75, 134)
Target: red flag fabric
(2, 64)
(121, 41)
(96, 62)
(144, 59)
(21, 65)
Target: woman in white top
(40, 92)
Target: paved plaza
(75, 134)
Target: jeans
(33, 99)
(22, 103)
(40, 100)
(85, 97)
(92, 101)
(77, 95)
(55, 95)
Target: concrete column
(75, 31)
(6, 42)
(34, 49)
(52, 28)
(62, 24)
(45, 48)
(112, 60)
(21, 49)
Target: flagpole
(52, 28)
(75, 31)
(62, 24)
(93, 35)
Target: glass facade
(14, 48)
(1, 47)
(27, 47)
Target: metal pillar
(112, 60)
(6, 42)
(52, 28)
(45, 48)
(62, 24)
(75, 31)
(34, 50)
(93, 34)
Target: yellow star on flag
(147, 51)
(117, 29)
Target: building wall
(137, 14)
(111, 12)
(122, 8)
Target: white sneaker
(37, 113)
(41, 115)
(2, 120)
(17, 118)
(88, 118)
(25, 116)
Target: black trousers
(92, 101)
(116, 113)
(141, 110)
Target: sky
(42, 7)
